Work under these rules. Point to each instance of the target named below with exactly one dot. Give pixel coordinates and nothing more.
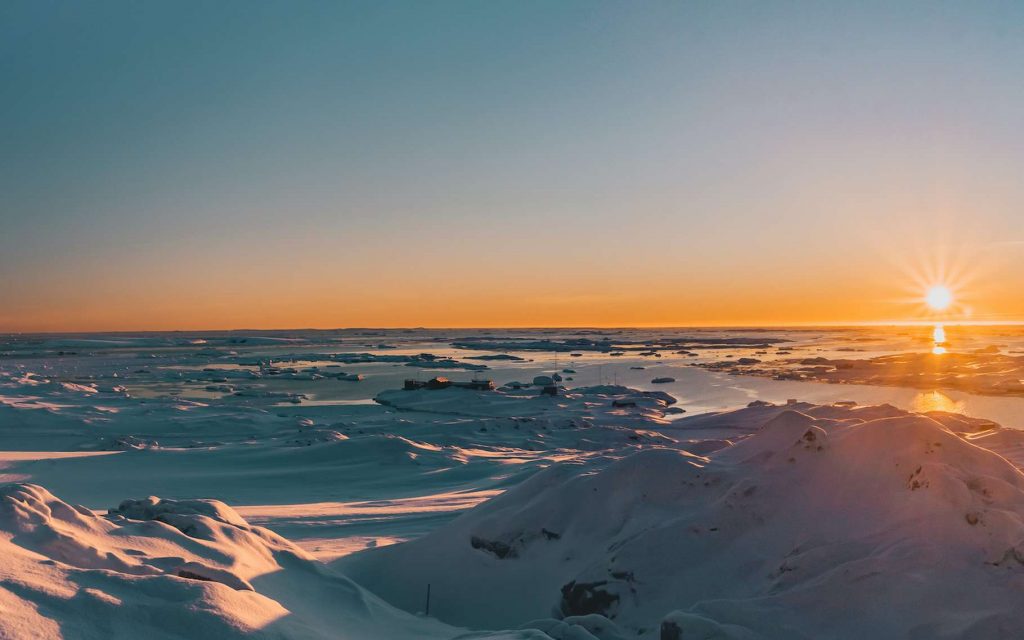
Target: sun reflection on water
(939, 340)
(936, 401)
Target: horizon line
(732, 327)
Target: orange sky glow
(685, 164)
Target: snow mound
(181, 511)
(845, 523)
(172, 569)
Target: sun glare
(938, 297)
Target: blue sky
(186, 164)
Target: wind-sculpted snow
(257, 451)
(166, 569)
(597, 512)
(844, 525)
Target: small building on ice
(441, 382)
(438, 382)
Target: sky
(255, 164)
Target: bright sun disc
(938, 297)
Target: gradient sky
(187, 165)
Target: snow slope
(599, 513)
(849, 526)
(174, 569)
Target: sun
(938, 297)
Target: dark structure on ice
(443, 383)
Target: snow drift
(868, 523)
(172, 569)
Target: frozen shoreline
(485, 495)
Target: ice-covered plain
(614, 484)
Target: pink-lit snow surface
(600, 513)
